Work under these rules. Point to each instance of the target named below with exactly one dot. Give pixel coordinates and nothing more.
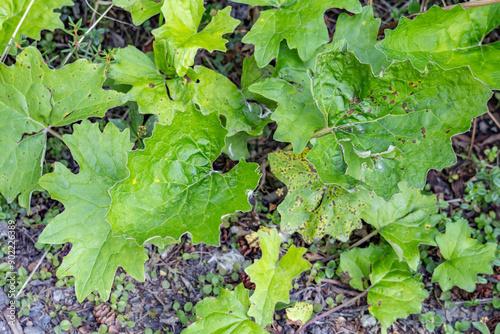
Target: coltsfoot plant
(365, 120)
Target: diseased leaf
(297, 115)
(216, 93)
(225, 314)
(40, 16)
(312, 208)
(450, 38)
(149, 86)
(390, 128)
(181, 35)
(273, 26)
(360, 31)
(395, 292)
(33, 99)
(273, 276)
(405, 221)
(96, 254)
(172, 188)
(465, 257)
(141, 10)
(356, 265)
(300, 312)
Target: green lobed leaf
(389, 128)
(395, 292)
(141, 10)
(96, 254)
(226, 314)
(216, 93)
(181, 35)
(312, 208)
(361, 32)
(356, 264)
(297, 115)
(450, 38)
(465, 257)
(236, 146)
(405, 221)
(40, 16)
(273, 276)
(33, 99)
(172, 188)
(251, 74)
(149, 86)
(273, 26)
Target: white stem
(13, 38)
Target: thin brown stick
(356, 244)
(465, 5)
(335, 309)
(472, 139)
(494, 119)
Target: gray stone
(58, 295)
(33, 330)
(368, 321)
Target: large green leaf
(141, 10)
(450, 38)
(226, 314)
(312, 208)
(41, 16)
(394, 292)
(297, 115)
(96, 253)
(308, 30)
(360, 31)
(273, 276)
(389, 128)
(356, 265)
(465, 257)
(34, 99)
(180, 31)
(172, 188)
(214, 93)
(149, 86)
(405, 221)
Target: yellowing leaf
(273, 276)
(312, 208)
(225, 314)
(181, 35)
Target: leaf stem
(335, 309)
(13, 38)
(55, 134)
(356, 244)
